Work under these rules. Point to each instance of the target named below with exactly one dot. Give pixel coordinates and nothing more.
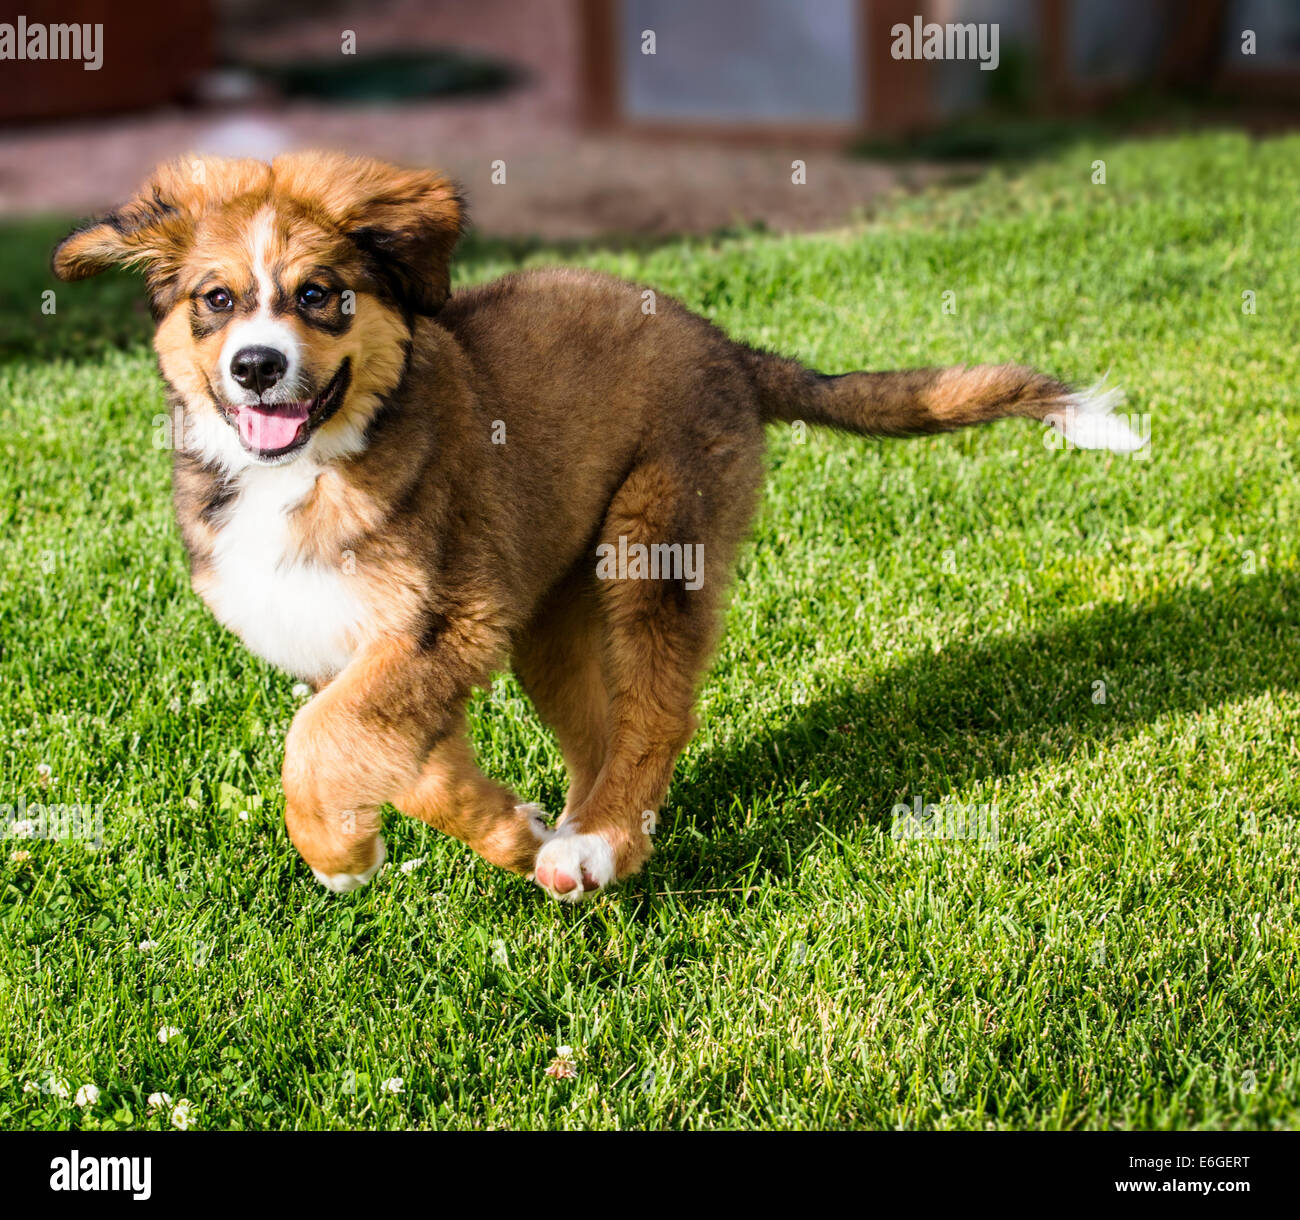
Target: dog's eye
(218, 298)
(312, 295)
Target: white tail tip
(1087, 421)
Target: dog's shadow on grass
(974, 711)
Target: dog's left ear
(406, 221)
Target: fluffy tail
(914, 402)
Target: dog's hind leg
(660, 628)
(560, 661)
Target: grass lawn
(1105, 651)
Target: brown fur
(469, 555)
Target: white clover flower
(562, 1066)
(148, 946)
(29, 1086)
(301, 690)
(44, 774)
(24, 828)
(394, 1084)
(183, 1114)
(87, 1095)
(409, 866)
(168, 1032)
(159, 1101)
(58, 1087)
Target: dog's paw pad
(345, 883)
(571, 867)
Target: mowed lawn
(1104, 651)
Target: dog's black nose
(258, 368)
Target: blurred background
(618, 117)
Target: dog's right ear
(154, 230)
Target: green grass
(926, 618)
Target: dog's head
(284, 294)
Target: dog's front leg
(364, 740)
(453, 795)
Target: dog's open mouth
(276, 429)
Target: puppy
(391, 492)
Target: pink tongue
(272, 427)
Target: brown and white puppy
(391, 492)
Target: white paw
(343, 883)
(572, 866)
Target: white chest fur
(300, 615)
